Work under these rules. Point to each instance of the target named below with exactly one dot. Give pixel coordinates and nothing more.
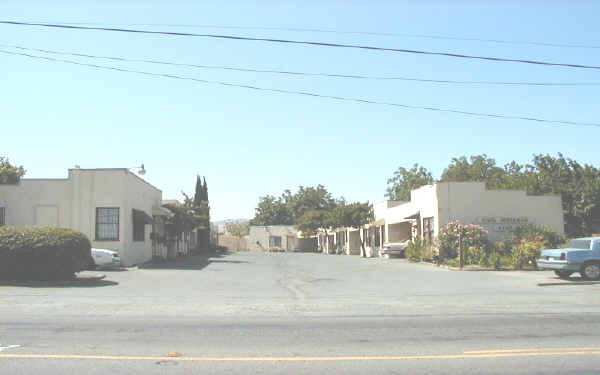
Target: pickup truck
(582, 255)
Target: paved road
(302, 313)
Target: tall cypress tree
(206, 206)
(198, 196)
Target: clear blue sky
(249, 144)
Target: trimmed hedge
(42, 253)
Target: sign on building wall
(501, 225)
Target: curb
(464, 269)
(556, 283)
(480, 269)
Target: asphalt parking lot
(265, 284)
(300, 313)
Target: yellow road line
(529, 350)
(298, 359)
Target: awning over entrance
(161, 211)
(405, 221)
(379, 223)
(140, 216)
(406, 218)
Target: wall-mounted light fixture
(140, 170)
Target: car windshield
(580, 244)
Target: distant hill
(230, 221)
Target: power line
(331, 31)
(299, 42)
(332, 75)
(311, 94)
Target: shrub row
(42, 253)
(520, 250)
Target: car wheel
(563, 274)
(590, 271)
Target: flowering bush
(538, 233)
(527, 252)
(472, 237)
(526, 242)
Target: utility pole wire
(299, 42)
(331, 31)
(332, 75)
(311, 94)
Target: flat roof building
(432, 207)
(113, 207)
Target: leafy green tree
(183, 220)
(477, 168)
(357, 215)
(578, 185)
(238, 229)
(272, 211)
(518, 177)
(312, 221)
(309, 199)
(10, 174)
(289, 208)
(405, 180)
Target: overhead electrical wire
(331, 31)
(299, 42)
(312, 94)
(293, 73)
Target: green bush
(527, 252)
(495, 261)
(454, 262)
(414, 251)
(532, 232)
(42, 253)
(419, 249)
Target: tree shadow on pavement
(192, 262)
(77, 283)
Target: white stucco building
(113, 207)
(278, 237)
(431, 207)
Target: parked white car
(394, 249)
(106, 258)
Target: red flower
(518, 240)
